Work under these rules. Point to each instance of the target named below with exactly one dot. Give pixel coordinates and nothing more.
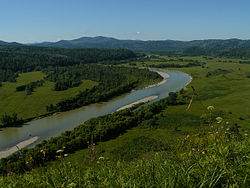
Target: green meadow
(34, 105)
(227, 90)
(178, 147)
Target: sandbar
(16, 148)
(145, 100)
(164, 75)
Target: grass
(209, 159)
(34, 105)
(180, 150)
(229, 92)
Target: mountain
(209, 46)
(139, 45)
(10, 43)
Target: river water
(56, 124)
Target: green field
(229, 92)
(179, 150)
(34, 105)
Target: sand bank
(164, 75)
(20, 145)
(145, 100)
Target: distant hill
(234, 48)
(139, 45)
(10, 43)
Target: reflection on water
(58, 123)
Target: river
(56, 124)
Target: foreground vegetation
(198, 138)
(207, 160)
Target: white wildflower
(227, 122)
(219, 119)
(246, 134)
(59, 151)
(210, 108)
(101, 158)
(65, 155)
(72, 185)
(227, 129)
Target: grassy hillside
(204, 146)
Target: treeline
(17, 59)
(176, 65)
(113, 81)
(29, 88)
(110, 76)
(10, 120)
(236, 52)
(98, 129)
(99, 93)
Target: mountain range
(139, 45)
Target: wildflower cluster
(92, 150)
(43, 152)
(60, 153)
(29, 161)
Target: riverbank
(145, 100)
(162, 74)
(19, 146)
(68, 120)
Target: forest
(18, 59)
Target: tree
(172, 99)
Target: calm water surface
(56, 124)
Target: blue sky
(52, 20)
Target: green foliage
(198, 147)
(67, 68)
(96, 129)
(34, 105)
(10, 120)
(29, 88)
(134, 148)
(195, 51)
(200, 160)
(112, 80)
(16, 59)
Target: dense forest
(17, 59)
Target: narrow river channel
(56, 124)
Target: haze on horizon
(31, 21)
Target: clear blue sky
(52, 20)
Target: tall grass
(215, 158)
